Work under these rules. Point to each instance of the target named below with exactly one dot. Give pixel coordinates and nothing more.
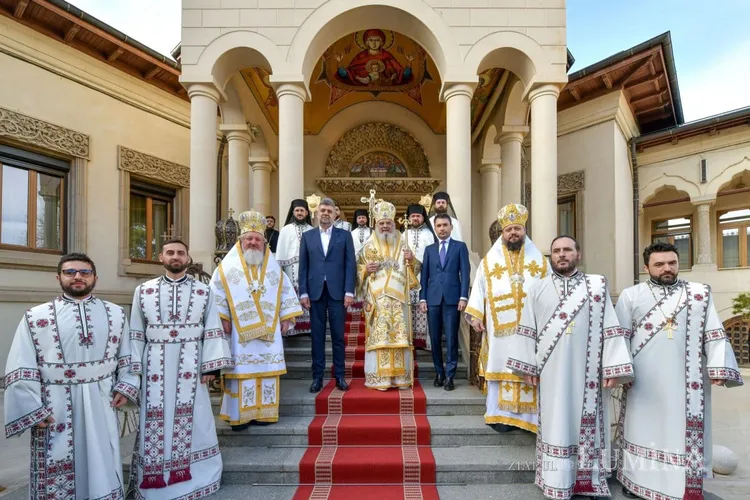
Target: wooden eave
(710, 125)
(642, 74)
(69, 25)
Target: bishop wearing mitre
(497, 298)
(256, 303)
(385, 273)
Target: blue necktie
(442, 254)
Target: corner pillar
(291, 97)
(239, 140)
(490, 171)
(510, 140)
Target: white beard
(254, 257)
(388, 238)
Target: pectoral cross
(370, 204)
(670, 326)
(571, 325)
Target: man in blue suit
(327, 270)
(444, 294)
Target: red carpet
(366, 444)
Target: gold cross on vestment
(497, 271)
(670, 326)
(571, 325)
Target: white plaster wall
(623, 215)
(110, 107)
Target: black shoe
(316, 385)
(259, 423)
(449, 384)
(439, 381)
(501, 427)
(241, 427)
(627, 493)
(341, 384)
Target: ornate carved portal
(378, 156)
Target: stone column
(204, 100)
(261, 198)
(544, 165)
(510, 152)
(458, 153)
(239, 171)
(291, 98)
(490, 171)
(704, 233)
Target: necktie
(442, 254)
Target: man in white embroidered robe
(383, 268)
(495, 303)
(417, 237)
(178, 346)
(570, 345)
(287, 255)
(679, 351)
(256, 303)
(60, 384)
(362, 232)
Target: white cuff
(347, 294)
(464, 299)
(422, 301)
(303, 296)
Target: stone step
(296, 400)
(514, 491)
(463, 430)
(301, 370)
(454, 465)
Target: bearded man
(179, 347)
(339, 222)
(679, 351)
(384, 272)
(287, 255)
(441, 204)
(417, 237)
(60, 383)
(570, 345)
(502, 282)
(362, 232)
(257, 304)
(272, 234)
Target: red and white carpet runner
(367, 444)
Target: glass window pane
(15, 209)
(735, 216)
(137, 226)
(682, 243)
(160, 221)
(566, 218)
(48, 211)
(730, 241)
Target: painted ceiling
(371, 65)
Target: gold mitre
(384, 210)
(512, 213)
(252, 222)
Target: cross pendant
(571, 325)
(669, 327)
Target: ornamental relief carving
(152, 167)
(377, 137)
(42, 134)
(574, 181)
(387, 185)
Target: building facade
(107, 147)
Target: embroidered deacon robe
(388, 342)
(569, 337)
(176, 337)
(360, 235)
(455, 232)
(287, 256)
(62, 363)
(664, 430)
(497, 297)
(418, 239)
(255, 299)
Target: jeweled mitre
(512, 213)
(252, 222)
(384, 210)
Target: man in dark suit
(444, 294)
(327, 271)
(272, 235)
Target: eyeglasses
(86, 273)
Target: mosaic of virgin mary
(374, 65)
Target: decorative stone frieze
(574, 181)
(38, 133)
(151, 167)
(377, 137)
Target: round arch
(513, 51)
(233, 51)
(668, 181)
(726, 176)
(338, 18)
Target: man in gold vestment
(497, 296)
(385, 274)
